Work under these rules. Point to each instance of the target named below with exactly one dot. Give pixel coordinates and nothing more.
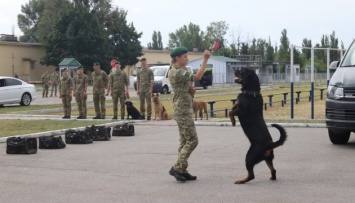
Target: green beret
(96, 64)
(143, 59)
(80, 67)
(64, 69)
(117, 62)
(178, 51)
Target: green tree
(307, 52)
(124, 37)
(78, 34)
(28, 20)
(284, 53)
(160, 42)
(216, 32)
(188, 36)
(270, 52)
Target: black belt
(251, 93)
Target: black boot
(178, 176)
(189, 176)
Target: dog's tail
(283, 137)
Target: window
(12, 82)
(32, 64)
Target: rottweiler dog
(250, 115)
(132, 111)
(198, 106)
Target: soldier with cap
(54, 82)
(80, 91)
(45, 83)
(113, 68)
(118, 85)
(145, 82)
(182, 82)
(66, 93)
(100, 82)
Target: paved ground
(135, 169)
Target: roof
(69, 62)
(220, 58)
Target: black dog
(132, 111)
(250, 115)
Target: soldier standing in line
(182, 82)
(66, 93)
(118, 84)
(54, 82)
(45, 83)
(113, 64)
(80, 91)
(100, 82)
(145, 82)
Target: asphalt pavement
(135, 169)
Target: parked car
(13, 90)
(161, 79)
(340, 103)
(206, 79)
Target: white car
(13, 90)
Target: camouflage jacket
(100, 81)
(54, 78)
(45, 79)
(181, 81)
(145, 77)
(80, 83)
(118, 80)
(65, 86)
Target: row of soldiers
(47, 80)
(117, 82)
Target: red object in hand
(113, 63)
(215, 46)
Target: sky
(246, 19)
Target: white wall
(219, 69)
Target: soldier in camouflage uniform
(45, 82)
(145, 82)
(182, 82)
(66, 93)
(100, 82)
(118, 85)
(80, 92)
(54, 82)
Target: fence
(269, 100)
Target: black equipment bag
(124, 129)
(21, 145)
(51, 142)
(78, 137)
(99, 133)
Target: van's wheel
(165, 90)
(205, 87)
(26, 99)
(339, 138)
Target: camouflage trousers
(66, 100)
(188, 141)
(145, 96)
(80, 99)
(115, 96)
(54, 87)
(99, 103)
(45, 90)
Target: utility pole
(13, 67)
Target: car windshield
(159, 71)
(349, 59)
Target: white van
(161, 79)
